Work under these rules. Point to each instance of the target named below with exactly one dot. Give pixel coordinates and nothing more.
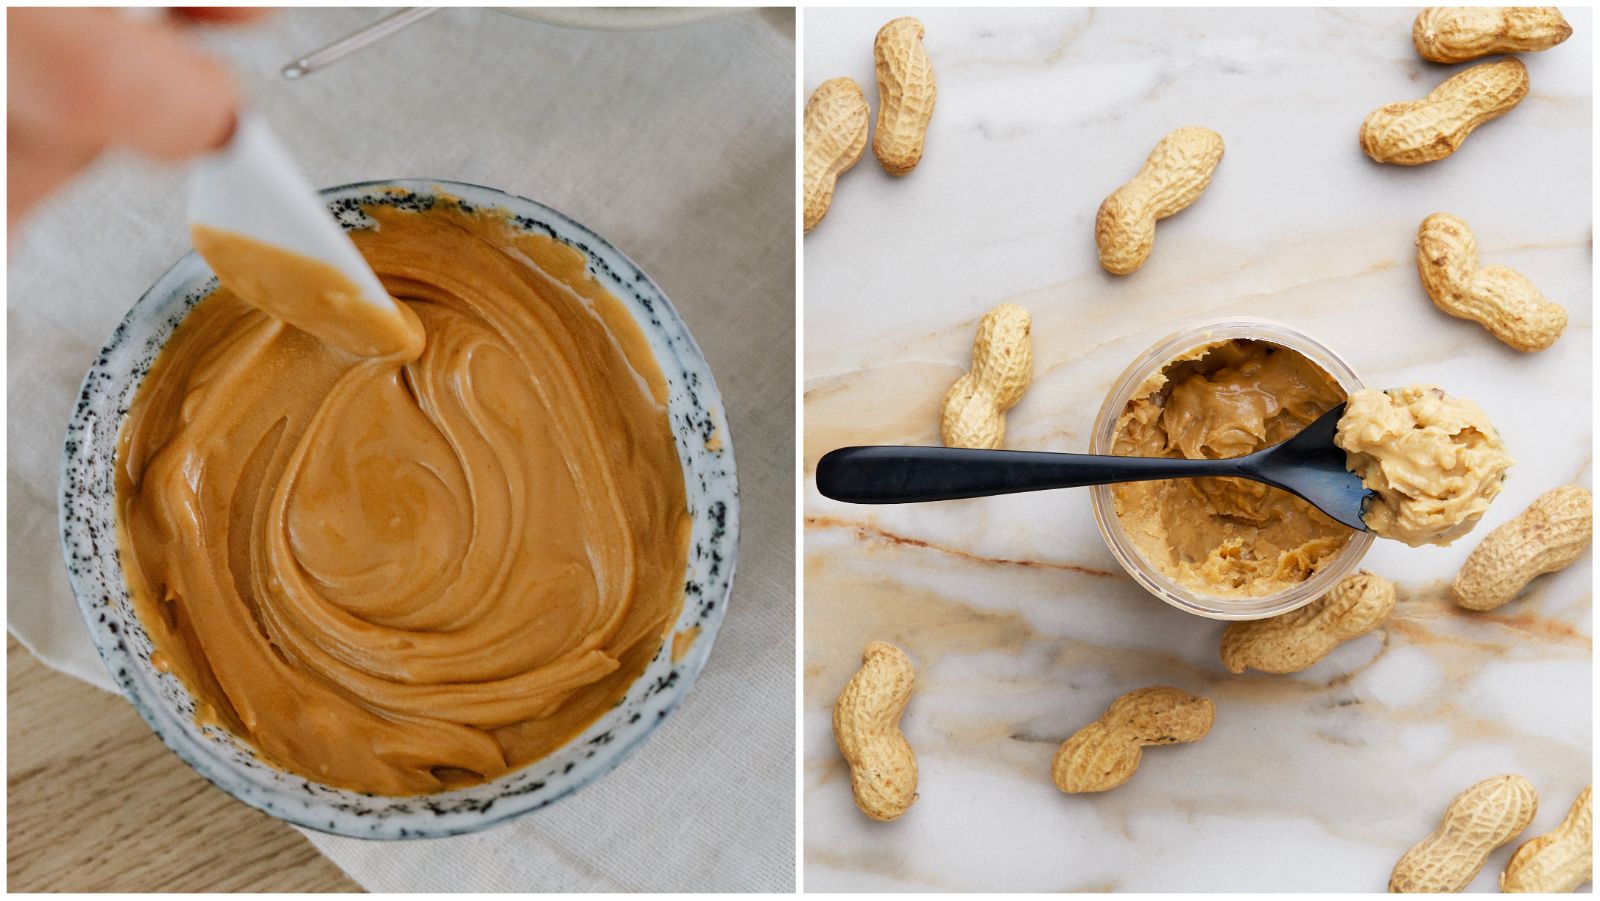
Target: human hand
(82, 81)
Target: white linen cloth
(677, 145)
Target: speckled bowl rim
(96, 577)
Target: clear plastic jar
(1105, 515)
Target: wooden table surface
(96, 802)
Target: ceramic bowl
(88, 536)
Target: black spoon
(1309, 465)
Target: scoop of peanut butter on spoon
(256, 219)
(1412, 464)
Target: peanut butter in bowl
(383, 596)
(396, 577)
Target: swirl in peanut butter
(399, 577)
(1226, 537)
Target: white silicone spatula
(253, 189)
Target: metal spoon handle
(356, 40)
(899, 475)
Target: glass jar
(1105, 515)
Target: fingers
(82, 80)
(97, 78)
(158, 94)
(223, 15)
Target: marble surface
(1021, 623)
